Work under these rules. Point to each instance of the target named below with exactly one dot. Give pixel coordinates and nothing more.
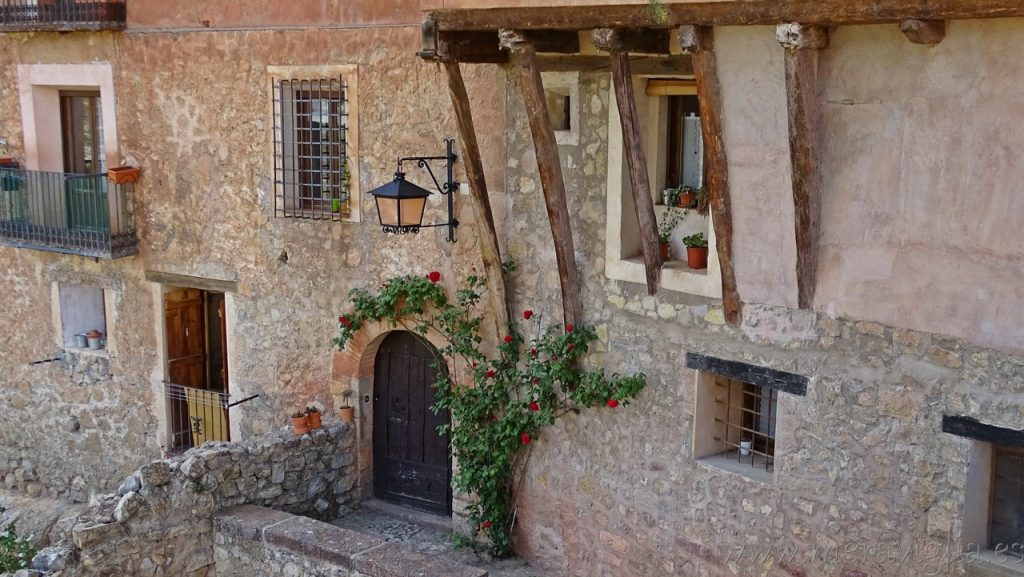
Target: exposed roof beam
(720, 13)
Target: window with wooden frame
(312, 173)
(1006, 509)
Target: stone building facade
(915, 322)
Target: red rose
(613, 403)
(527, 314)
(525, 438)
(474, 364)
(568, 328)
(508, 338)
(344, 320)
(487, 524)
(533, 352)
(570, 346)
(535, 381)
(490, 373)
(433, 276)
(534, 406)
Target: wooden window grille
(746, 421)
(1006, 520)
(311, 164)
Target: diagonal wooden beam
(490, 252)
(527, 74)
(699, 41)
(803, 45)
(636, 159)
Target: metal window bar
(195, 416)
(71, 213)
(751, 413)
(28, 12)
(310, 149)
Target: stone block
(86, 535)
(130, 485)
(53, 558)
(155, 474)
(127, 506)
(248, 521)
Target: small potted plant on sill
(347, 412)
(300, 423)
(670, 196)
(688, 196)
(95, 339)
(696, 251)
(313, 418)
(668, 224)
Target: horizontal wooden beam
(481, 46)
(723, 13)
(676, 65)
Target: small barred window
(311, 171)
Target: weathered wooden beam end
(927, 32)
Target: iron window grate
(749, 424)
(311, 170)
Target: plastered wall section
(922, 207)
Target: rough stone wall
(194, 111)
(159, 523)
(865, 481)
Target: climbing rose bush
(515, 391)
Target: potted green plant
(313, 417)
(688, 197)
(300, 423)
(347, 412)
(696, 250)
(668, 223)
(670, 196)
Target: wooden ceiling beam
(633, 41)
(481, 46)
(726, 13)
(699, 41)
(675, 65)
(802, 46)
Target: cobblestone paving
(429, 539)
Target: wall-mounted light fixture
(400, 203)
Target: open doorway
(197, 367)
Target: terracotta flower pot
(300, 425)
(697, 257)
(314, 420)
(664, 250)
(123, 174)
(685, 199)
(346, 414)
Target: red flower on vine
(344, 320)
(534, 406)
(568, 328)
(613, 403)
(487, 524)
(533, 352)
(490, 373)
(508, 338)
(525, 438)
(433, 276)
(570, 347)
(527, 314)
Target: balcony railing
(62, 15)
(81, 214)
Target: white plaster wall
(756, 127)
(923, 205)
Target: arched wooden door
(411, 461)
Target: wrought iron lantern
(400, 203)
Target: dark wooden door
(412, 463)
(186, 350)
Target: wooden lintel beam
(553, 41)
(527, 74)
(802, 46)
(633, 41)
(675, 65)
(632, 139)
(725, 13)
(470, 47)
(699, 41)
(490, 252)
(926, 32)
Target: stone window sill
(104, 352)
(988, 563)
(729, 462)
